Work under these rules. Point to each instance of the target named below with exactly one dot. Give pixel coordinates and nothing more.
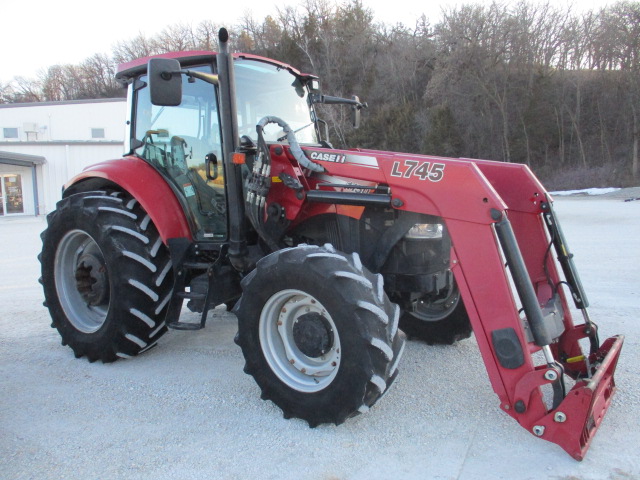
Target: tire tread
(142, 261)
(353, 285)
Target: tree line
(521, 82)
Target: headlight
(425, 231)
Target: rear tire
(318, 333)
(106, 274)
(440, 322)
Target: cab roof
(129, 70)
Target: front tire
(318, 333)
(106, 274)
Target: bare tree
(177, 38)
(26, 90)
(207, 35)
(521, 81)
(137, 47)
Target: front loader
(231, 193)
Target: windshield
(266, 90)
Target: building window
(97, 133)
(10, 132)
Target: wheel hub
(433, 309)
(313, 334)
(300, 341)
(82, 281)
(91, 279)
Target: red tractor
(231, 193)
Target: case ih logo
(328, 157)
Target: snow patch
(585, 191)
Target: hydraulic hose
(293, 142)
(258, 182)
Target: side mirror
(355, 112)
(165, 82)
(314, 85)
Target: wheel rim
(82, 281)
(300, 341)
(430, 309)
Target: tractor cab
(184, 142)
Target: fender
(145, 184)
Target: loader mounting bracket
(573, 424)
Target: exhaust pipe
(238, 252)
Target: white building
(42, 145)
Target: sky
(42, 33)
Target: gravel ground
(185, 409)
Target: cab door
(184, 144)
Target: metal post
(34, 181)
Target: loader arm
(505, 237)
